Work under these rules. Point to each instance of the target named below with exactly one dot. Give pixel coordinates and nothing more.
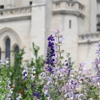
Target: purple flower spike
(32, 85)
(50, 51)
(36, 94)
(49, 69)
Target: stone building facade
(25, 21)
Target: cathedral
(25, 21)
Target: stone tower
(68, 16)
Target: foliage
(22, 78)
(4, 80)
(32, 81)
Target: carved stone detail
(15, 11)
(71, 6)
(89, 38)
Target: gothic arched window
(16, 49)
(0, 53)
(7, 47)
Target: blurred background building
(25, 21)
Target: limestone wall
(87, 4)
(37, 33)
(87, 54)
(2, 2)
(19, 33)
(70, 34)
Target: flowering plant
(23, 78)
(61, 81)
(31, 77)
(53, 79)
(5, 89)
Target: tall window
(0, 53)
(16, 49)
(70, 24)
(7, 47)
(30, 3)
(98, 27)
(1, 6)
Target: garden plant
(51, 79)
